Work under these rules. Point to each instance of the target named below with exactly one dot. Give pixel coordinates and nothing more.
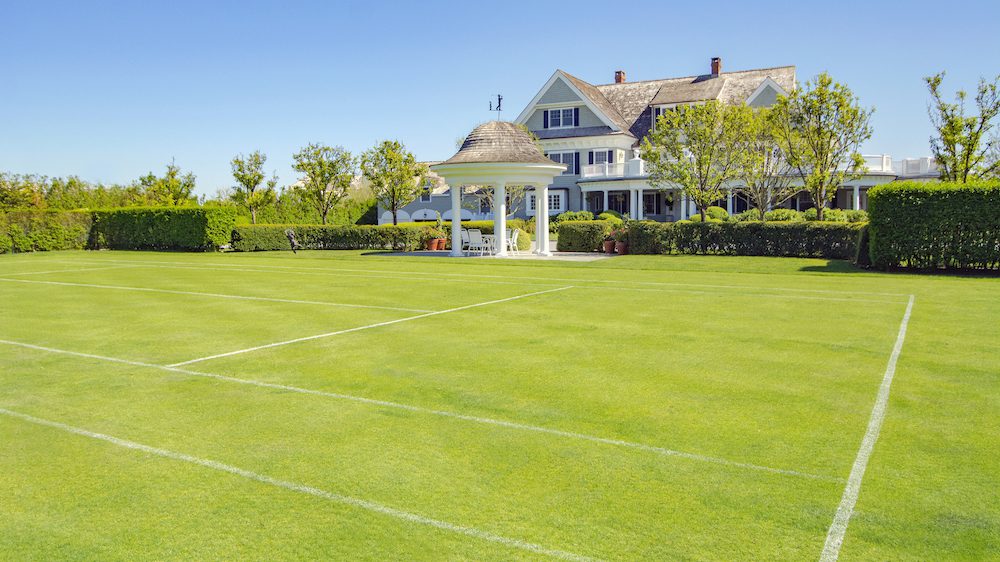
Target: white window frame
(427, 192)
(562, 112)
(662, 108)
(555, 195)
(603, 153)
(570, 166)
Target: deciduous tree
(327, 173)
(394, 175)
(174, 188)
(764, 171)
(821, 127)
(962, 147)
(697, 148)
(249, 174)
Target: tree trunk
(322, 216)
(762, 214)
(702, 211)
(395, 217)
(253, 216)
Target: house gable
(560, 90)
(766, 94)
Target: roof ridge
(692, 76)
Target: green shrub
(783, 215)
(260, 237)
(935, 225)
(613, 218)
(750, 238)
(746, 216)
(649, 237)
(39, 231)
(716, 213)
(697, 218)
(574, 216)
(582, 236)
(162, 228)
(862, 253)
(829, 215)
(856, 215)
(6, 244)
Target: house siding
(767, 98)
(560, 92)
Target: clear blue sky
(111, 90)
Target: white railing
(878, 162)
(616, 170)
(909, 167)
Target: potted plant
(432, 238)
(609, 243)
(621, 241)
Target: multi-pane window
(567, 158)
(425, 193)
(559, 118)
(555, 202)
(600, 157)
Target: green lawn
(641, 407)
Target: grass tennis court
(334, 404)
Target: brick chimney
(619, 77)
(716, 66)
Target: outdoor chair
(465, 240)
(512, 241)
(477, 243)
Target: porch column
(729, 201)
(605, 200)
(456, 221)
(500, 218)
(857, 197)
(681, 202)
(640, 211)
(542, 221)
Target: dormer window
(561, 118)
(659, 110)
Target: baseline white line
(301, 488)
(360, 328)
(760, 291)
(575, 281)
(69, 270)
(212, 295)
(835, 536)
(443, 413)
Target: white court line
(360, 328)
(70, 270)
(835, 536)
(213, 295)
(430, 411)
(760, 291)
(303, 489)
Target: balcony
(915, 167)
(634, 168)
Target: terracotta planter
(621, 248)
(431, 244)
(442, 243)
(609, 246)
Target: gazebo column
(456, 221)
(500, 218)
(542, 221)
(857, 198)
(729, 201)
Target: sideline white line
(360, 328)
(213, 295)
(69, 270)
(430, 411)
(300, 488)
(835, 536)
(575, 281)
(453, 277)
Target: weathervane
(497, 108)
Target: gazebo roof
(498, 142)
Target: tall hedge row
(162, 228)
(582, 236)
(35, 231)
(935, 225)
(259, 237)
(799, 239)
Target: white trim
(532, 105)
(300, 488)
(562, 109)
(767, 83)
(835, 537)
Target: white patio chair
(477, 243)
(465, 240)
(512, 235)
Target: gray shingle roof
(498, 141)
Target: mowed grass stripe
(436, 412)
(752, 292)
(301, 488)
(466, 276)
(53, 271)
(362, 328)
(212, 295)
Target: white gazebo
(498, 154)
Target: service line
(301, 488)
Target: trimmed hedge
(800, 239)
(260, 237)
(162, 228)
(40, 231)
(935, 225)
(582, 236)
